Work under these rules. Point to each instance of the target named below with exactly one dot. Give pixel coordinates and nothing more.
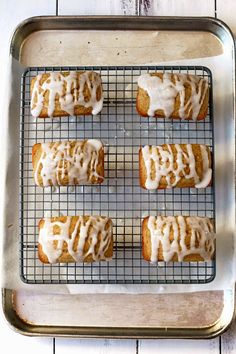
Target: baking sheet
(224, 174)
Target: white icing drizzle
(163, 92)
(57, 161)
(166, 166)
(201, 231)
(70, 91)
(93, 231)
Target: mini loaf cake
(175, 165)
(177, 239)
(168, 95)
(68, 163)
(58, 94)
(75, 239)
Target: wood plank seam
(137, 9)
(144, 6)
(53, 346)
(57, 7)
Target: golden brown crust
(183, 182)
(146, 240)
(42, 257)
(58, 112)
(143, 101)
(64, 181)
(142, 170)
(146, 244)
(65, 256)
(100, 168)
(36, 153)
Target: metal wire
(120, 197)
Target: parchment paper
(224, 175)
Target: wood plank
(226, 10)
(179, 346)
(228, 340)
(93, 346)
(14, 342)
(94, 7)
(15, 12)
(177, 8)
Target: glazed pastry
(58, 94)
(167, 95)
(175, 165)
(66, 163)
(68, 239)
(178, 239)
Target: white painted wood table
(12, 12)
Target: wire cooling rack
(120, 197)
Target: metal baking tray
(96, 41)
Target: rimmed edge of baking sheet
(206, 24)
